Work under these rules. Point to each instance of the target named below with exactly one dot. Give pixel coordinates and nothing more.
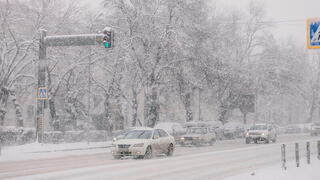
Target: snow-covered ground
(39, 151)
(223, 160)
(305, 172)
(207, 165)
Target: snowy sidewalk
(41, 151)
(305, 172)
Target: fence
(297, 153)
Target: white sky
(277, 10)
(283, 10)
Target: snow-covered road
(225, 159)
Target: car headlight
(138, 145)
(182, 138)
(263, 134)
(247, 134)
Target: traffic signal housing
(108, 38)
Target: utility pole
(107, 39)
(41, 84)
(89, 99)
(199, 104)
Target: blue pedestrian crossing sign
(313, 33)
(43, 93)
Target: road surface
(225, 158)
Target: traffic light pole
(54, 41)
(41, 83)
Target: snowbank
(42, 151)
(305, 172)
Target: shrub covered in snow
(10, 135)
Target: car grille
(188, 138)
(254, 133)
(125, 153)
(123, 145)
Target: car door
(272, 133)
(212, 134)
(156, 142)
(165, 140)
(206, 135)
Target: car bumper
(132, 151)
(258, 138)
(193, 141)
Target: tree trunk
(4, 95)
(187, 106)
(121, 117)
(313, 104)
(185, 96)
(244, 118)
(152, 106)
(18, 109)
(135, 118)
(54, 123)
(107, 115)
(315, 96)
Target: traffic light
(108, 37)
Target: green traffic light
(106, 44)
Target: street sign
(43, 93)
(313, 33)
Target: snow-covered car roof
(203, 124)
(142, 128)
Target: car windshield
(138, 134)
(196, 131)
(259, 127)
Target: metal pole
(199, 118)
(41, 83)
(283, 156)
(318, 147)
(89, 98)
(308, 152)
(297, 154)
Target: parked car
(198, 136)
(233, 130)
(174, 129)
(315, 129)
(143, 143)
(219, 133)
(229, 133)
(261, 132)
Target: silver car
(261, 132)
(143, 143)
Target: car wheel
(170, 150)
(267, 140)
(116, 157)
(212, 142)
(247, 140)
(149, 153)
